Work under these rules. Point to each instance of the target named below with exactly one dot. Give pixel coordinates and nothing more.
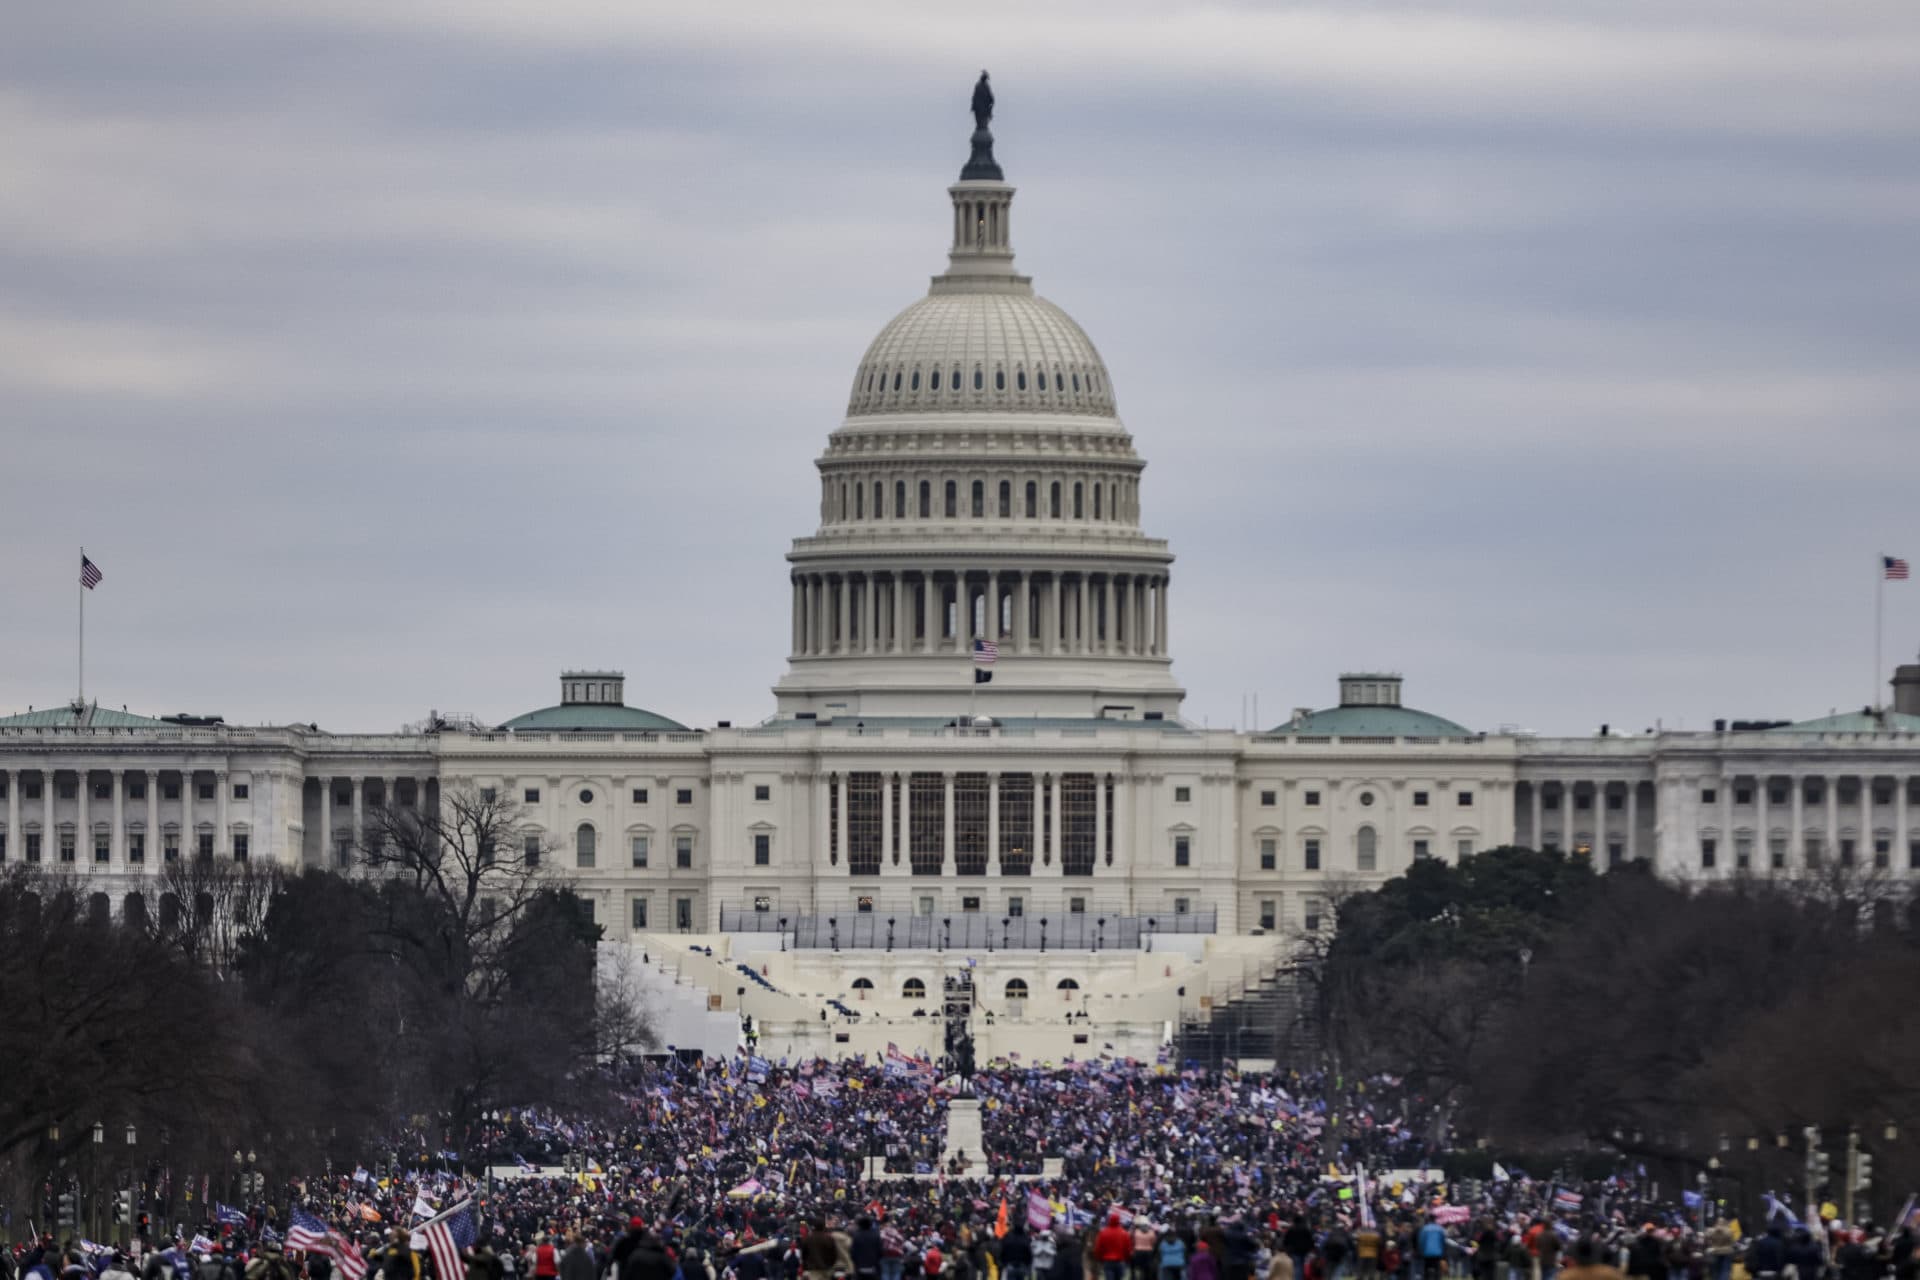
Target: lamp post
(1100, 932)
(1152, 924)
(1006, 927)
(890, 933)
(783, 933)
(93, 1198)
(1043, 935)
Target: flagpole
(1879, 593)
(82, 588)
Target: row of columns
(847, 500)
(119, 827)
(896, 821)
(356, 832)
(863, 612)
(1720, 818)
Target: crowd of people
(751, 1170)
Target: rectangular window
(486, 795)
(1269, 854)
(1708, 795)
(531, 796)
(1076, 906)
(1311, 854)
(1743, 795)
(1913, 853)
(169, 791)
(1776, 795)
(205, 790)
(683, 914)
(762, 849)
(1742, 852)
(1708, 852)
(1811, 851)
(3, 846)
(1882, 853)
(1777, 852)
(1846, 852)
(1463, 848)
(970, 904)
(240, 790)
(1182, 795)
(925, 905)
(763, 905)
(66, 846)
(683, 796)
(1582, 802)
(1268, 799)
(639, 909)
(683, 851)
(593, 909)
(1616, 853)
(864, 904)
(1616, 802)
(1268, 914)
(170, 847)
(640, 852)
(203, 845)
(33, 790)
(639, 795)
(1550, 801)
(1419, 799)
(1465, 799)
(763, 792)
(240, 847)
(1311, 920)
(66, 791)
(135, 791)
(1016, 906)
(136, 846)
(1421, 849)
(1311, 799)
(530, 851)
(102, 849)
(1182, 851)
(103, 791)
(1181, 906)
(33, 846)
(586, 849)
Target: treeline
(1699, 1029)
(303, 1017)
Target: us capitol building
(982, 487)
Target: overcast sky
(394, 356)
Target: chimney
(1906, 689)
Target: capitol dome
(982, 349)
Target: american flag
(310, 1235)
(447, 1235)
(1893, 566)
(985, 653)
(90, 572)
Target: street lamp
(1152, 924)
(1100, 933)
(132, 1137)
(99, 1133)
(890, 920)
(1043, 935)
(783, 933)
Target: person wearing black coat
(865, 1250)
(648, 1260)
(1069, 1259)
(1016, 1253)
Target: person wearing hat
(270, 1264)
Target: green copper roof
(1375, 722)
(1857, 722)
(594, 716)
(67, 716)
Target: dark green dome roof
(1375, 722)
(594, 716)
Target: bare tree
(219, 906)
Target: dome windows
(916, 381)
(955, 383)
(1076, 382)
(1043, 380)
(999, 379)
(896, 379)
(979, 379)
(1020, 379)
(936, 379)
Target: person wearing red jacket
(1113, 1247)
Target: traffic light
(145, 1225)
(1822, 1168)
(1862, 1171)
(69, 1209)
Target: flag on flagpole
(1893, 567)
(985, 652)
(447, 1235)
(90, 572)
(307, 1233)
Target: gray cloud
(395, 356)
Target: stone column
(1903, 859)
(186, 814)
(1726, 846)
(1533, 831)
(119, 837)
(1122, 797)
(822, 830)
(222, 842)
(993, 821)
(993, 606)
(1082, 621)
(153, 816)
(929, 587)
(359, 831)
(903, 836)
(1632, 841)
(1099, 818)
(1111, 641)
(83, 824)
(886, 821)
(1020, 624)
(946, 856)
(1043, 828)
(1056, 622)
(1830, 843)
(843, 613)
(1796, 830)
(1160, 624)
(1762, 841)
(326, 822)
(1566, 816)
(797, 612)
(16, 839)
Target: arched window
(999, 379)
(863, 984)
(915, 385)
(1043, 379)
(953, 499)
(979, 499)
(1054, 501)
(1020, 379)
(896, 379)
(99, 909)
(899, 499)
(869, 380)
(860, 503)
(879, 492)
(843, 502)
(926, 499)
(583, 845)
(1016, 988)
(1067, 984)
(1033, 499)
(1006, 498)
(169, 911)
(1365, 847)
(978, 379)
(955, 382)
(1097, 491)
(133, 910)
(1076, 382)
(913, 989)
(1079, 506)
(936, 379)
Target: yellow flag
(759, 1101)
(856, 1084)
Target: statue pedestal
(965, 1137)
